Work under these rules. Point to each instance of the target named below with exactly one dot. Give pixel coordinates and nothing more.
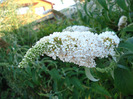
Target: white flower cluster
(122, 22)
(77, 28)
(80, 48)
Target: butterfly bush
(76, 47)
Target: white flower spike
(122, 22)
(80, 48)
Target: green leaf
(122, 4)
(126, 55)
(127, 45)
(124, 80)
(106, 15)
(131, 5)
(30, 84)
(130, 40)
(35, 77)
(67, 81)
(42, 94)
(123, 67)
(55, 74)
(76, 82)
(4, 64)
(75, 94)
(28, 70)
(85, 9)
(89, 75)
(129, 28)
(99, 89)
(103, 4)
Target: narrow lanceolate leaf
(89, 75)
(76, 82)
(124, 80)
(103, 4)
(122, 4)
(131, 5)
(28, 70)
(99, 89)
(35, 77)
(55, 74)
(122, 66)
(42, 94)
(85, 9)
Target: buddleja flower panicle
(80, 48)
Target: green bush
(21, 81)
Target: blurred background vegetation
(46, 78)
